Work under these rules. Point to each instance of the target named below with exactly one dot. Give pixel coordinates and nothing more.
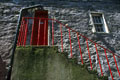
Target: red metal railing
(23, 32)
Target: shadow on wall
(2, 70)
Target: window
(98, 22)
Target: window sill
(100, 33)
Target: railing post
(38, 41)
(32, 31)
(26, 30)
(99, 60)
(22, 33)
(52, 32)
(116, 64)
(108, 64)
(44, 31)
(61, 37)
(80, 48)
(89, 54)
(70, 44)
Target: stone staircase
(46, 63)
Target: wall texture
(76, 15)
(8, 22)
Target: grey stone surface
(8, 22)
(76, 15)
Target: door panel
(43, 35)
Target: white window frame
(104, 22)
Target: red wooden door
(40, 28)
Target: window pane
(97, 19)
(99, 28)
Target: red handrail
(52, 32)
(26, 29)
(75, 32)
(116, 65)
(80, 48)
(108, 64)
(99, 60)
(61, 37)
(70, 44)
(32, 32)
(89, 54)
(22, 41)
